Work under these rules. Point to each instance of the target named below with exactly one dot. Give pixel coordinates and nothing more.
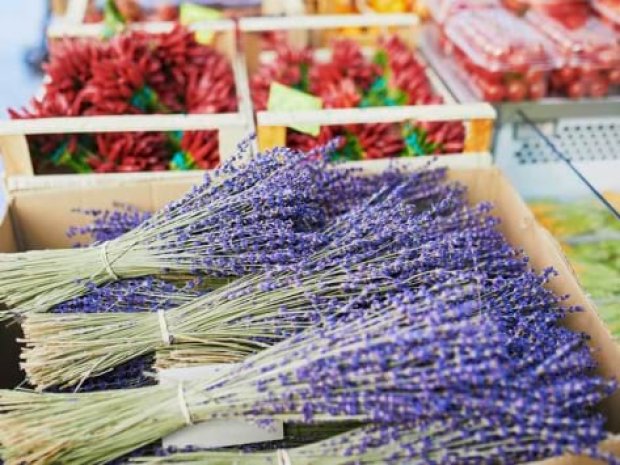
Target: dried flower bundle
(289, 381)
(366, 245)
(245, 217)
(411, 317)
(420, 356)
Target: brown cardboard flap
(42, 217)
(8, 242)
(10, 373)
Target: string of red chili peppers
(349, 79)
(134, 73)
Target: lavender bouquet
(130, 295)
(343, 373)
(418, 358)
(387, 242)
(240, 220)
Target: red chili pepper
(379, 140)
(203, 147)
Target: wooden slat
(446, 112)
(126, 123)
(308, 22)
(15, 155)
(62, 28)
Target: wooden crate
(231, 127)
(311, 31)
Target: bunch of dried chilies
(393, 76)
(133, 73)
(383, 308)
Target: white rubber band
(283, 457)
(163, 327)
(183, 405)
(106, 262)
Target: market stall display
(572, 13)
(131, 11)
(330, 7)
(347, 78)
(389, 103)
(133, 74)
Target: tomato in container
(609, 11)
(502, 57)
(573, 13)
(441, 10)
(590, 52)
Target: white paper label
(216, 433)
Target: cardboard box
(38, 219)
(231, 127)
(317, 31)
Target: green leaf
(381, 58)
(113, 19)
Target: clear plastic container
(573, 12)
(501, 56)
(591, 55)
(441, 10)
(609, 10)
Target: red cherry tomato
(568, 74)
(575, 20)
(614, 76)
(517, 91)
(599, 87)
(589, 72)
(608, 57)
(489, 76)
(533, 76)
(518, 61)
(576, 90)
(537, 90)
(493, 92)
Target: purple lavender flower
(108, 224)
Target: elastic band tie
(163, 327)
(283, 457)
(183, 405)
(106, 262)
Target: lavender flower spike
(241, 220)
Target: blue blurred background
(21, 33)
(21, 36)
